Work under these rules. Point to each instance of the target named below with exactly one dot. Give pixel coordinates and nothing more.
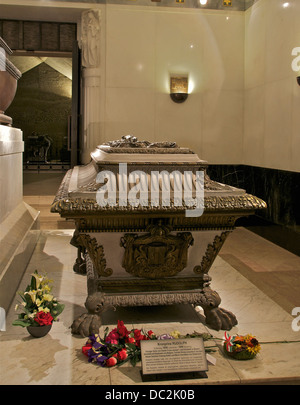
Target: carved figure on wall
(90, 38)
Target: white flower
(38, 279)
(32, 294)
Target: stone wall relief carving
(90, 38)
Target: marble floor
(56, 359)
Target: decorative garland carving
(210, 254)
(96, 253)
(211, 203)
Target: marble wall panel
(11, 188)
(129, 111)
(17, 219)
(272, 96)
(222, 127)
(255, 45)
(144, 46)
(254, 125)
(223, 54)
(130, 51)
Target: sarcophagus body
(149, 224)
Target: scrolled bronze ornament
(211, 253)
(96, 253)
(211, 203)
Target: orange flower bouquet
(241, 347)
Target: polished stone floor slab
(57, 359)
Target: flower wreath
(241, 347)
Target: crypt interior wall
(272, 95)
(244, 101)
(242, 113)
(144, 45)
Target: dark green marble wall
(280, 189)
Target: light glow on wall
(191, 86)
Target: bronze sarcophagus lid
(149, 224)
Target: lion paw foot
(86, 325)
(220, 319)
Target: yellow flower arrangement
(39, 307)
(241, 347)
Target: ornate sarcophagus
(149, 224)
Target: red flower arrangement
(43, 318)
(117, 346)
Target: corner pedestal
(18, 221)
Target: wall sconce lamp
(179, 88)
(298, 80)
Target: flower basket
(39, 307)
(241, 347)
(242, 355)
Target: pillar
(91, 63)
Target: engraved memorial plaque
(168, 356)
